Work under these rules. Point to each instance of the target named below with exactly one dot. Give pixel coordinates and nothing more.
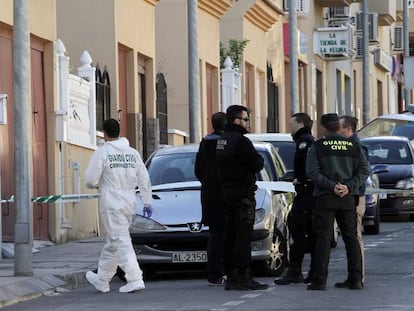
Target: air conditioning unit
(339, 12)
(302, 6)
(358, 47)
(372, 25)
(359, 20)
(397, 39)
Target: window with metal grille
(103, 97)
(162, 107)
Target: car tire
(335, 235)
(375, 228)
(278, 260)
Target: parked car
(175, 235)
(394, 155)
(394, 124)
(285, 146)
(283, 142)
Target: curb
(38, 286)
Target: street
(388, 285)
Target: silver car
(175, 234)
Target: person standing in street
(211, 202)
(300, 216)
(347, 128)
(338, 168)
(117, 170)
(238, 162)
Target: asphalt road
(388, 286)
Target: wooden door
(39, 150)
(6, 135)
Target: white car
(283, 143)
(175, 235)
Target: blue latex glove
(147, 210)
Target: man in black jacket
(300, 216)
(238, 162)
(211, 203)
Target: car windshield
(171, 168)
(179, 167)
(388, 127)
(389, 152)
(286, 150)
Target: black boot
(247, 282)
(233, 281)
(293, 275)
(252, 285)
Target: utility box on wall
(3, 108)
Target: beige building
(252, 20)
(42, 30)
(330, 69)
(172, 62)
(120, 36)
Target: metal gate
(272, 103)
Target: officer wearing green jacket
(338, 168)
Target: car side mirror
(289, 176)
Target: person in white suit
(117, 170)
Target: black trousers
(300, 227)
(215, 248)
(327, 208)
(239, 220)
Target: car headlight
(370, 198)
(259, 215)
(407, 183)
(140, 224)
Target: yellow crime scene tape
(66, 198)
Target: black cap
(329, 118)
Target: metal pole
(365, 64)
(23, 233)
(193, 73)
(293, 55)
(406, 39)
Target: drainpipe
(293, 56)
(193, 73)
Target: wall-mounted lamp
(3, 108)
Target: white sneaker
(95, 281)
(132, 287)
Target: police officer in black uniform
(338, 168)
(212, 205)
(300, 216)
(238, 162)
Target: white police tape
(66, 198)
(387, 191)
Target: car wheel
(335, 235)
(375, 228)
(278, 260)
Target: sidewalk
(55, 268)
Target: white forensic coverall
(117, 169)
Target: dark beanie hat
(329, 118)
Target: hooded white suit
(117, 169)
